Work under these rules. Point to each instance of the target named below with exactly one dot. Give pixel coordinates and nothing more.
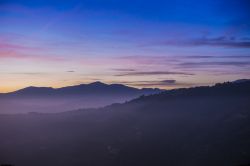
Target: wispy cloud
(207, 64)
(217, 57)
(16, 55)
(10, 46)
(153, 73)
(123, 70)
(153, 83)
(10, 50)
(152, 59)
(20, 51)
(10, 54)
(221, 41)
(158, 83)
(29, 73)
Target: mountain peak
(98, 83)
(31, 88)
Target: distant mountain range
(95, 88)
(181, 127)
(47, 99)
(98, 94)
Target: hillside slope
(186, 127)
(50, 100)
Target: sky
(140, 43)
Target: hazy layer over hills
(46, 99)
(184, 127)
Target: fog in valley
(197, 126)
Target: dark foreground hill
(208, 126)
(47, 99)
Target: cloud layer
(153, 73)
(221, 41)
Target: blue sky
(141, 43)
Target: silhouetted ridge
(34, 91)
(84, 89)
(45, 99)
(241, 80)
(97, 83)
(241, 88)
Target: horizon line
(127, 85)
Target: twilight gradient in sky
(141, 43)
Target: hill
(184, 127)
(47, 99)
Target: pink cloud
(12, 46)
(8, 46)
(16, 55)
(10, 54)
(18, 51)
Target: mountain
(47, 99)
(241, 80)
(227, 89)
(182, 127)
(98, 88)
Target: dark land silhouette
(49, 100)
(206, 126)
